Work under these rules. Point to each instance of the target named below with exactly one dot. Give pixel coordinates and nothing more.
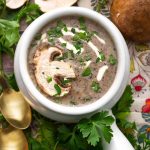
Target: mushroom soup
(72, 61)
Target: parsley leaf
(95, 86)
(2, 7)
(112, 60)
(125, 101)
(73, 30)
(96, 128)
(30, 12)
(64, 44)
(56, 32)
(58, 89)
(9, 35)
(101, 57)
(41, 134)
(87, 72)
(82, 23)
(70, 138)
(121, 111)
(11, 80)
(49, 79)
(100, 4)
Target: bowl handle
(118, 141)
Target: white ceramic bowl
(65, 113)
(38, 100)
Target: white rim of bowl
(119, 42)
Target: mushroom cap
(14, 4)
(45, 67)
(132, 17)
(48, 5)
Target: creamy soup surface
(72, 61)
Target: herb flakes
(112, 60)
(58, 89)
(101, 57)
(87, 72)
(95, 86)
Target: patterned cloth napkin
(139, 75)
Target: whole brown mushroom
(132, 17)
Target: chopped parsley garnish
(112, 60)
(64, 82)
(78, 45)
(58, 89)
(85, 36)
(101, 57)
(65, 29)
(63, 44)
(51, 40)
(87, 72)
(49, 79)
(82, 23)
(61, 24)
(73, 30)
(66, 55)
(95, 86)
(56, 32)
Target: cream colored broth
(81, 91)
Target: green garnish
(101, 57)
(66, 55)
(63, 44)
(73, 30)
(56, 32)
(96, 128)
(51, 40)
(58, 89)
(82, 23)
(87, 72)
(112, 60)
(65, 29)
(49, 79)
(100, 4)
(95, 86)
(85, 36)
(30, 12)
(78, 45)
(64, 82)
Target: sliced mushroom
(48, 5)
(14, 4)
(47, 68)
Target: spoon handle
(118, 141)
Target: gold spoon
(12, 139)
(13, 105)
(15, 109)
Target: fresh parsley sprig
(30, 12)
(97, 127)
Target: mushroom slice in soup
(49, 73)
